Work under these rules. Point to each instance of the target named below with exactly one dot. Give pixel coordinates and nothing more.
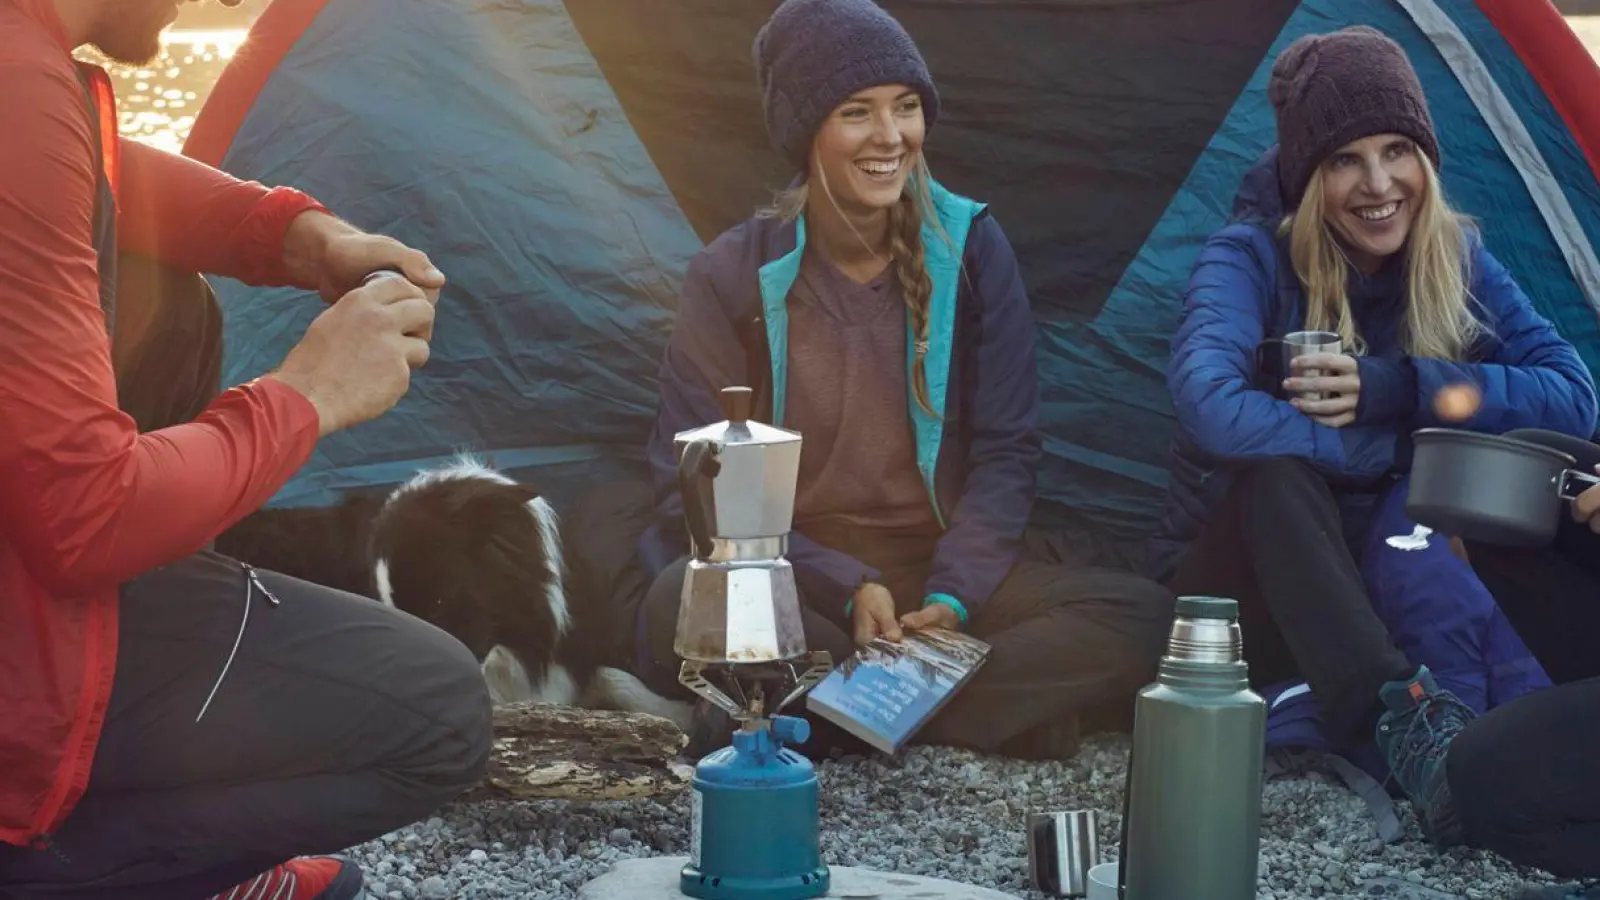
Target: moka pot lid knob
(737, 402)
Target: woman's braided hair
(908, 254)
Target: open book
(886, 691)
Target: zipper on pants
(252, 583)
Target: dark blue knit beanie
(813, 54)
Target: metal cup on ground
(1103, 882)
(1062, 848)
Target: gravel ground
(940, 812)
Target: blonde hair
(906, 250)
(1439, 323)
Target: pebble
(938, 812)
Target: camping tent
(563, 161)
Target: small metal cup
(1062, 848)
(1304, 343)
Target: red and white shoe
(306, 878)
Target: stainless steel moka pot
(740, 611)
(755, 825)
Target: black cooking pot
(1499, 489)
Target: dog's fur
(475, 554)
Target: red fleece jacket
(86, 502)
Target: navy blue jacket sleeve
(703, 356)
(1388, 391)
(1211, 371)
(985, 527)
(1529, 376)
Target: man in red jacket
(174, 724)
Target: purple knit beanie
(1331, 89)
(813, 54)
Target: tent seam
(1515, 139)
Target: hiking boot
(1415, 735)
(306, 878)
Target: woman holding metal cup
(1316, 330)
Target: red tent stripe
(1558, 61)
(271, 38)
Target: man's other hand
(1585, 507)
(355, 361)
(335, 257)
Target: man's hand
(1586, 505)
(335, 256)
(355, 360)
(934, 615)
(872, 614)
(1339, 384)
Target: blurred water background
(159, 102)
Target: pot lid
(1437, 436)
(738, 429)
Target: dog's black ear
(500, 498)
(525, 493)
(477, 496)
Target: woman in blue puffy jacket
(1287, 487)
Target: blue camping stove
(754, 827)
(754, 831)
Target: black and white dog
(476, 554)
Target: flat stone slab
(657, 879)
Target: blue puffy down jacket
(1439, 614)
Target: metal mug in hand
(1062, 848)
(1273, 357)
(1304, 343)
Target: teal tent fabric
(1112, 465)
(484, 133)
(564, 161)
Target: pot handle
(1269, 371)
(697, 467)
(1571, 482)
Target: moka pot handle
(696, 468)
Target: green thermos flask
(1191, 824)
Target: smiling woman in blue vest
(884, 318)
(1294, 503)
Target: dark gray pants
(1551, 593)
(1523, 775)
(1524, 780)
(338, 720)
(1068, 643)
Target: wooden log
(543, 751)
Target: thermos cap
(1208, 608)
